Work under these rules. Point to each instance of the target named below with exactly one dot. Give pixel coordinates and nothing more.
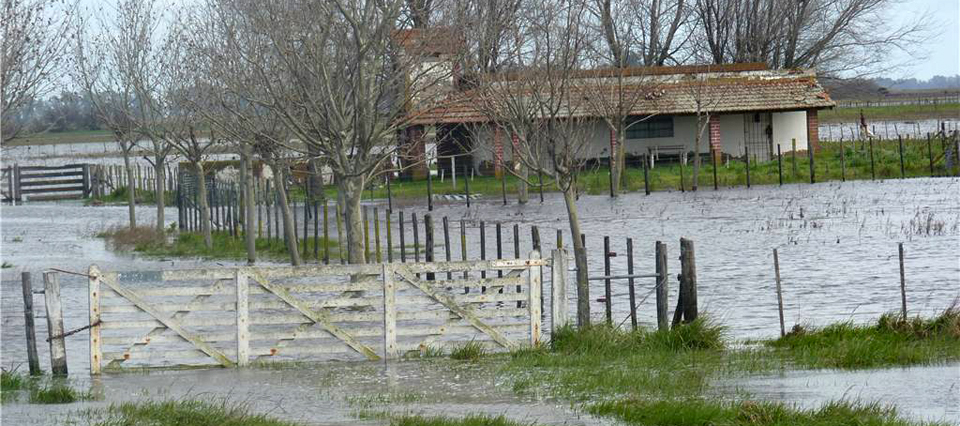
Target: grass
(469, 351)
(52, 138)
(12, 381)
(147, 240)
(57, 393)
(182, 413)
(697, 412)
(471, 420)
(890, 341)
(891, 112)
(119, 197)
(666, 176)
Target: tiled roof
(719, 91)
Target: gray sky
(944, 49)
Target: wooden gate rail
(234, 316)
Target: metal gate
(758, 135)
(236, 316)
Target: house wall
(786, 126)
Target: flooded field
(838, 254)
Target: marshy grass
(171, 243)
(687, 412)
(471, 420)
(469, 351)
(890, 341)
(12, 381)
(179, 413)
(57, 393)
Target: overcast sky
(944, 49)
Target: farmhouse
(743, 108)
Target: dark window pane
(653, 127)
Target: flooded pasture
(838, 260)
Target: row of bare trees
(334, 83)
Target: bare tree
(35, 40)
(834, 36)
(339, 78)
(705, 97)
(542, 106)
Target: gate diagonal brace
(454, 307)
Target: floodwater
(888, 129)
(838, 261)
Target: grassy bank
(170, 243)
(891, 341)
(39, 390)
(892, 112)
(53, 138)
(830, 164)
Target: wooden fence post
(58, 348)
(390, 350)
(780, 164)
(746, 150)
(429, 190)
(33, 359)
(446, 241)
(793, 153)
(687, 299)
(713, 159)
(843, 162)
(930, 153)
(813, 174)
(243, 318)
(873, 173)
(428, 242)
(533, 302)
(607, 290)
(661, 286)
(646, 176)
(558, 290)
(903, 283)
(376, 234)
(96, 351)
(900, 147)
(466, 185)
(776, 270)
(630, 284)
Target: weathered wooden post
(682, 159)
(900, 147)
(930, 153)
(716, 184)
(366, 234)
(389, 230)
(463, 249)
(746, 150)
(499, 249)
(243, 318)
(503, 187)
(558, 290)
(33, 359)
(661, 286)
(535, 289)
(428, 237)
(466, 185)
(389, 196)
(400, 232)
(776, 270)
(646, 176)
(793, 152)
(446, 242)
(58, 348)
(607, 288)
(326, 234)
(687, 299)
(813, 174)
(416, 237)
(429, 190)
(903, 283)
(873, 173)
(96, 351)
(630, 284)
(780, 164)
(376, 234)
(483, 250)
(390, 349)
(843, 162)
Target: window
(653, 127)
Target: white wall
(788, 126)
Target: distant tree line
(65, 112)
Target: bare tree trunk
(341, 209)
(696, 155)
(204, 205)
(131, 196)
(580, 255)
(246, 176)
(159, 188)
(352, 190)
(523, 192)
(288, 225)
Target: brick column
(813, 130)
(715, 144)
(497, 152)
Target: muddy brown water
(838, 251)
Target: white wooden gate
(235, 316)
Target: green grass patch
(12, 381)
(56, 393)
(891, 112)
(469, 351)
(170, 243)
(698, 412)
(890, 341)
(179, 413)
(52, 138)
(472, 420)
